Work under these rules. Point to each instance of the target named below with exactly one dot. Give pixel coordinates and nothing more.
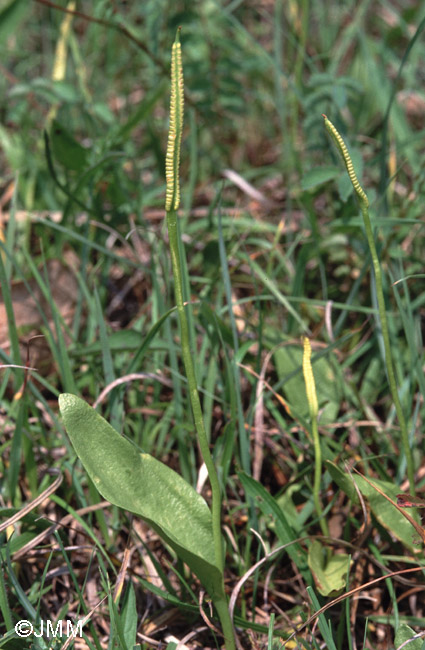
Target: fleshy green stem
(171, 205)
(364, 206)
(313, 407)
(193, 389)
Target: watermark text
(49, 629)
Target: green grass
(258, 275)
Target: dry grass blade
(38, 539)
(33, 504)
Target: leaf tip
(65, 400)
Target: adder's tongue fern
(364, 205)
(172, 200)
(313, 406)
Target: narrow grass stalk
(4, 603)
(364, 206)
(171, 205)
(310, 387)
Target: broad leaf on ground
(330, 573)
(143, 485)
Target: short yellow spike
(310, 385)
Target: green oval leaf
(143, 485)
(67, 151)
(405, 633)
(330, 574)
(387, 515)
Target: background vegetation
(275, 250)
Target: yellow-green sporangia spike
(347, 160)
(172, 160)
(310, 385)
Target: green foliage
(11, 15)
(258, 270)
(404, 634)
(386, 514)
(66, 150)
(273, 512)
(325, 625)
(329, 572)
(329, 394)
(139, 483)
